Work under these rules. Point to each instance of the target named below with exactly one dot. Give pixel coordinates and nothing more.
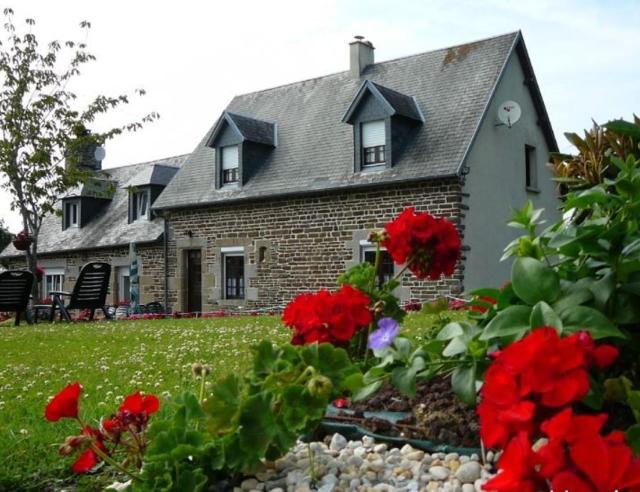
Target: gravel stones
(366, 466)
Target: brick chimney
(360, 55)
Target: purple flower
(388, 329)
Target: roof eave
(305, 192)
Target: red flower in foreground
(480, 308)
(430, 245)
(64, 404)
(540, 371)
(327, 317)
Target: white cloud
(193, 56)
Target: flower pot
(22, 241)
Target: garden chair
(154, 307)
(89, 292)
(15, 289)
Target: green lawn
(111, 360)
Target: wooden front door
(194, 280)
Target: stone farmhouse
(280, 194)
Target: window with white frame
(385, 269)
(233, 272)
(124, 284)
(141, 210)
(374, 142)
(53, 281)
(229, 163)
(71, 214)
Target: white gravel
(364, 466)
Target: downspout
(165, 245)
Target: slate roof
(110, 227)
(254, 130)
(451, 86)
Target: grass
(111, 360)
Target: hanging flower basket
(22, 241)
(39, 273)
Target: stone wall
(150, 258)
(293, 245)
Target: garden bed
(434, 420)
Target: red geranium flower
(136, 404)
(430, 245)
(327, 317)
(540, 371)
(64, 404)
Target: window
(141, 210)
(229, 159)
(373, 143)
(233, 264)
(531, 178)
(386, 270)
(71, 214)
(124, 284)
(53, 281)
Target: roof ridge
(153, 161)
(333, 74)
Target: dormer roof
(394, 102)
(248, 129)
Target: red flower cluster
(540, 371)
(327, 317)
(430, 245)
(527, 399)
(125, 429)
(573, 457)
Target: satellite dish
(99, 154)
(509, 113)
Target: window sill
(230, 186)
(531, 189)
(372, 168)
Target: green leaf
(543, 315)
(367, 391)
(533, 281)
(450, 331)
(463, 382)
(631, 249)
(455, 347)
(575, 298)
(586, 198)
(257, 424)
(579, 318)
(222, 406)
(624, 128)
(512, 321)
(603, 288)
(633, 438)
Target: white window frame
(231, 251)
(57, 284)
(69, 207)
(370, 145)
(224, 167)
(138, 197)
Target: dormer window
(373, 143)
(229, 161)
(71, 214)
(242, 145)
(384, 123)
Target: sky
(193, 56)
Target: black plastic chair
(15, 289)
(90, 292)
(154, 307)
